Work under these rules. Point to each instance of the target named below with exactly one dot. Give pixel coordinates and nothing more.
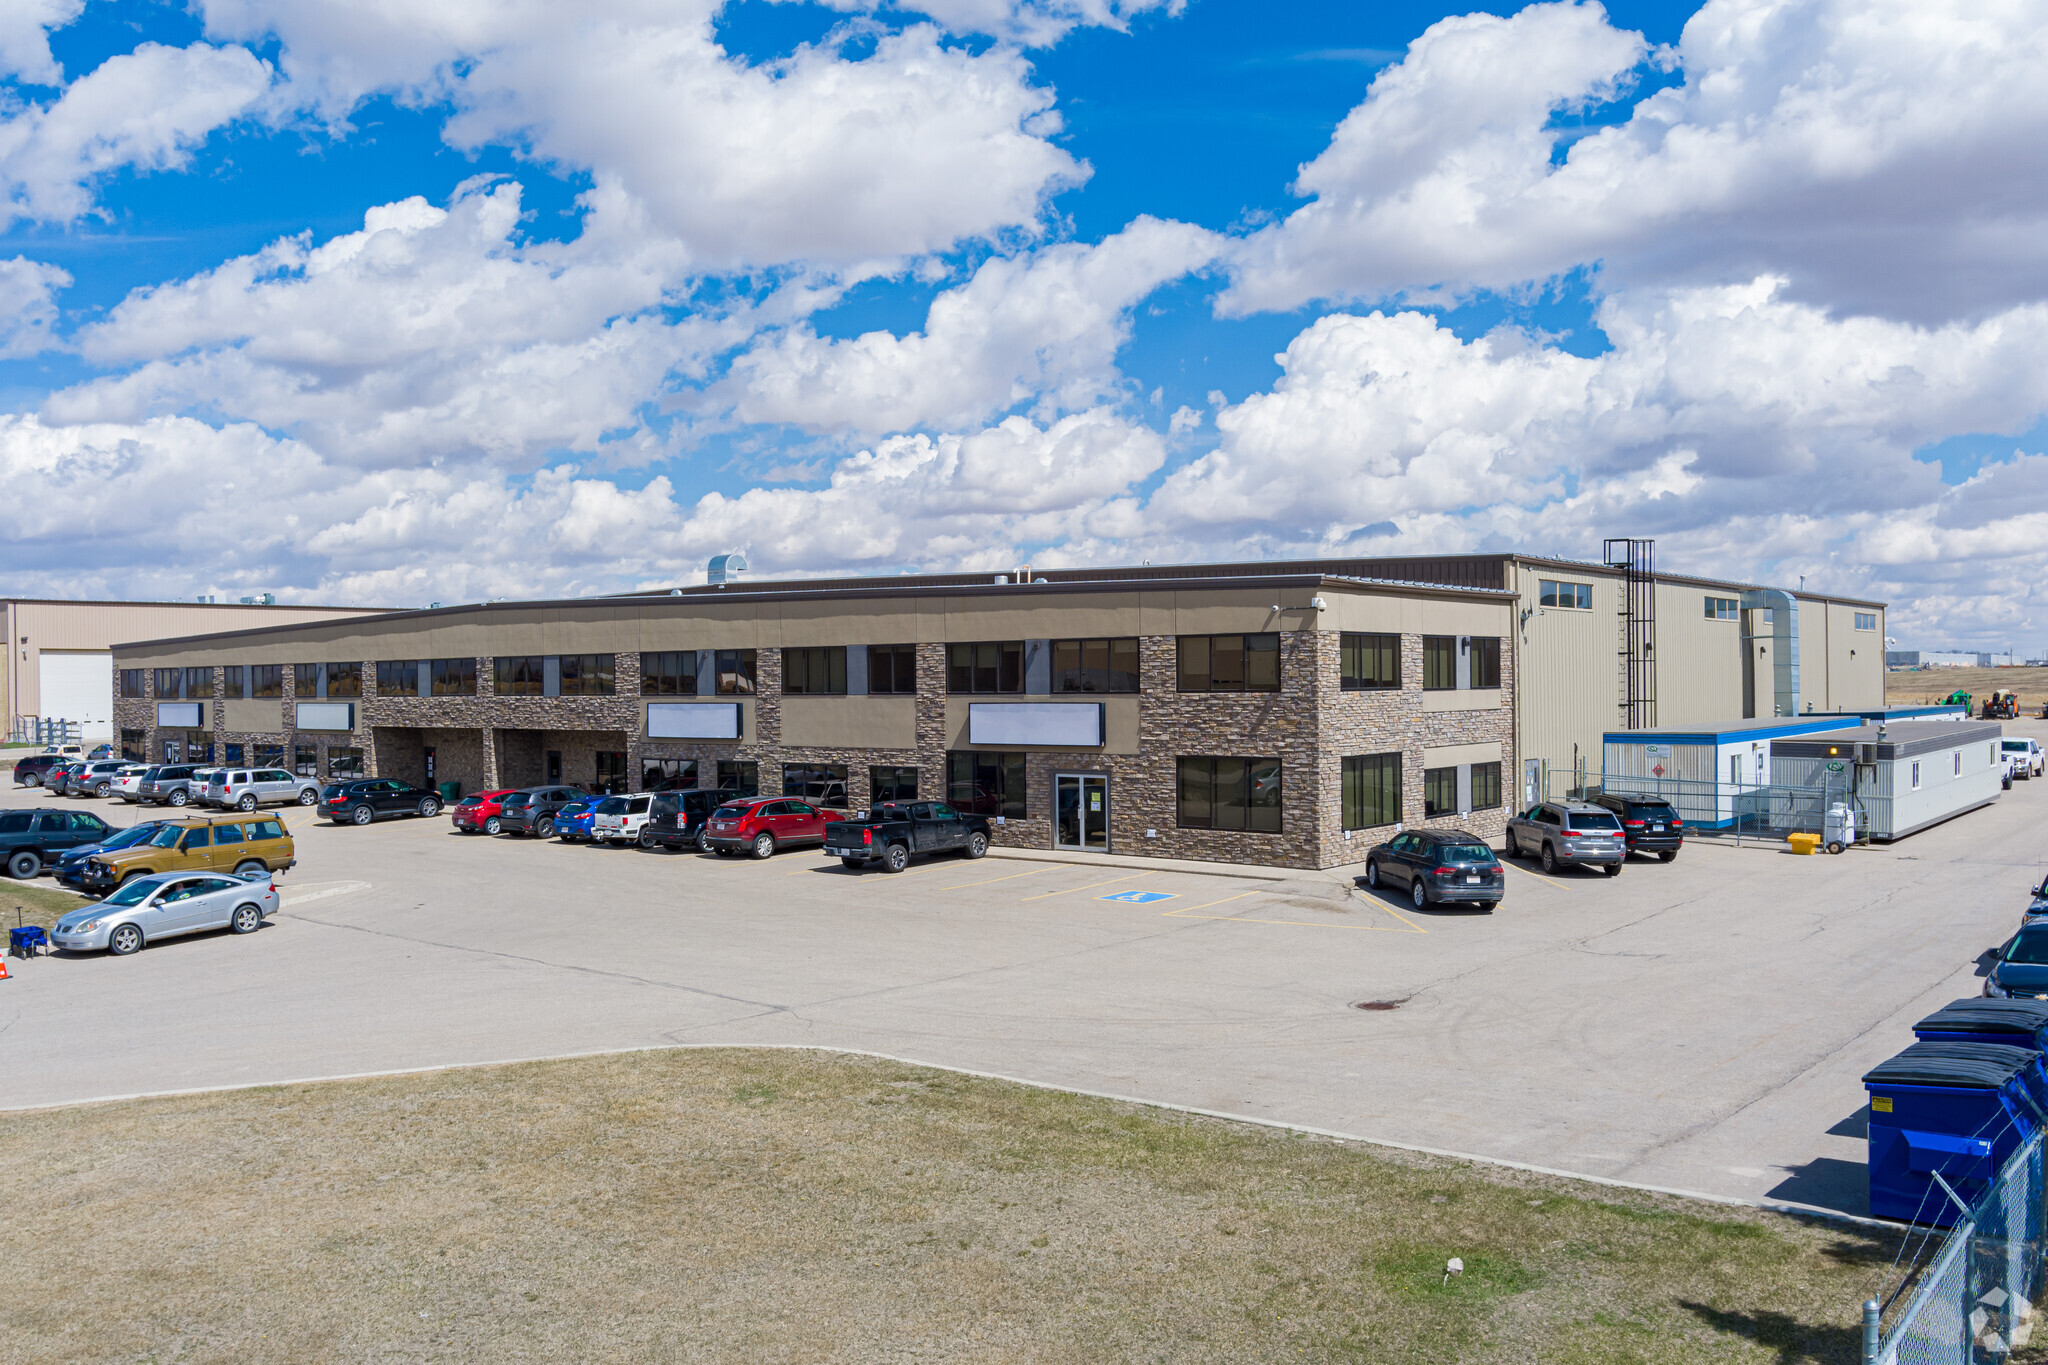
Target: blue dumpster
(1959, 1110)
(1976, 1019)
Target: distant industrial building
(60, 653)
(1937, 658)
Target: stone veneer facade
(1311, 724)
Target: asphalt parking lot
(1697, 1026)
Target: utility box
(1839, 828)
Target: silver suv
(1568, 832)
(248, 788)
(95, 778)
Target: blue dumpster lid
(2024, 1018)
(1955, 1066)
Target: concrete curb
(1730, 1201)
(1240, 870)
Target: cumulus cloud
(1034, 23)
(816, 157)
(25, 39)
(430, 333)
(147, 110)
(28, 306)
(1042, 328)
(1886, 156)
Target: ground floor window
(134, 745)
(305, 760)
(1371, 791)
(667, 774)
(231, 754)
(741, 779)
(611, 773)
(198, 747)
(822, 784)
(1485, 786)
(270, 755)
(344, 765)
(1230, 793)
(986, 782)
(892, 784)
(1439, 791)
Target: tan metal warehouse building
(59, 660)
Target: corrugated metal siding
(1699, 662)
(1682, 762)
(1568, 672)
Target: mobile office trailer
(1903, 780)
(1704, 772)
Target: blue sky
(500, 297)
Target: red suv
(762, 824)
(481, 811)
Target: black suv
(533, 811)
(1438, 865)
(375, 798)
(1648, 823)
(34, 770)
(30, 839)
(680, 819)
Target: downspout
(1784, 609)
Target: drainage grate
(1381, 1004)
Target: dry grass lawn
(794, 1206)
(41, 903)
(1925, 685)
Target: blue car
(572, 822)
(70, 868)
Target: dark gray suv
(1568, 832)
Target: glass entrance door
(1081, 811)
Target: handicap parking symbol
(1139, 897)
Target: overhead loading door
(78, 687)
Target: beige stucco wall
(849, 722)
(1119, 721)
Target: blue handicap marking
(1139, 897)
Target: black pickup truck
(891, 833)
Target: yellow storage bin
(1803, 843)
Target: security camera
(1318, 604)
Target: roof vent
(1002, 578)
(726, 568)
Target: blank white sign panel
(178, 715)
(693, 720)
(1071, 725)
(326, 715)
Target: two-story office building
(1281, 717)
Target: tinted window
(1465, 853)
(14, 822)
(266, 829)
(2030, 949)
(194, 838)
(227, 834)
(1594, 819)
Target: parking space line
(992, 880)
(1537, 875)
(1127, 877)
(1409, 926)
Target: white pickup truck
(2026, 756)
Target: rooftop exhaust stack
(726, 568)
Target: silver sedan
(164, 906)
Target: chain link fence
(1974, 1304)
(1734, 810)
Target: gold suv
(236, 842)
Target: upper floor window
(398, 677)
(988, 666)
(1229, 663)
(735, 672)
(1866, 620)
(892, 669)
(170, 682)
(1724, 608)
(519, 675)
(1577, 596)
(305, 680)
(1371, 661)
(672, 673)
(344, 680)
(266, 680)
(234, 682)
(453, 677)
(1439, 663)
(587, 675)
(198, 683)
(1095, 665)
(132, 682)
(815, 671)
(1482, 654)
